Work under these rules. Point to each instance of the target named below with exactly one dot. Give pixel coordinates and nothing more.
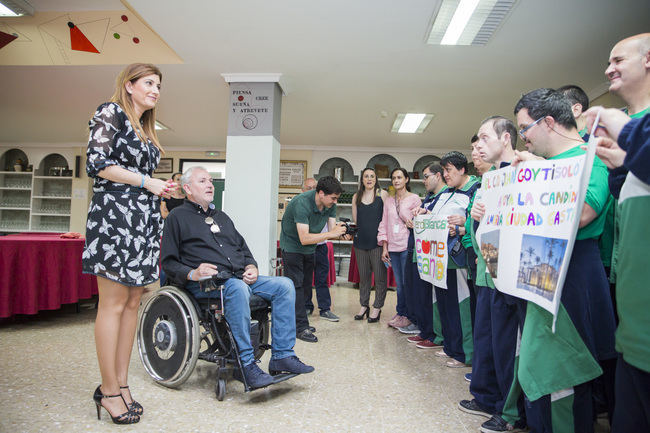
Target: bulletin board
(292, 173)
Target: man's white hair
(187, 176)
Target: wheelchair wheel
(220, 389)
(169, 336)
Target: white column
(253, 161)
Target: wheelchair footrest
(277, 379)
(283, 376)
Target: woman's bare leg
(113, 298)
(128, 326)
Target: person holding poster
(631, 159)
(481, 168)
(628, 72)
(603, 398)
(393, 237)
(556, 382)
(427, 317)
(454, 301)
(498, 315)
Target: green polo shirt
(616, 216)
(302, 210)
(597, 194)
(638, 115)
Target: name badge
(396, 228)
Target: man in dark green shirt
(302, 223)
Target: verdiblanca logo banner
(431, 234)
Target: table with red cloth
(331, 275)
(353, 273)
(41, 271)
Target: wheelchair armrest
(209, 285)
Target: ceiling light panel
(411, 123)
(15, 8)
(486, 17)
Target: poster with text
(431, 248)
(526, 236)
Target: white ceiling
(344, 61)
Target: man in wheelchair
(200, 242)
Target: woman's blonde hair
(145, 127)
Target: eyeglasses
(428, 175)
(522, 132)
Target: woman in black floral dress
(124, 226)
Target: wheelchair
(175, 330)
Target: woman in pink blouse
(393, 237)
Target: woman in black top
(123, 227)
(176, 199)
(367, 209)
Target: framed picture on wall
(292, 173)
(166, 166)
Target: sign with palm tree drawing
(526, 236)
(539, 264)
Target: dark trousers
(299, 268)
(484, 386)
(412, 293)
(471, 282)
(586, 297)
(410, 289)
(572, 413)
(506, 313)
(632, 412)
(450, 318)
(419, 302)
(369, 262)
(321, 269)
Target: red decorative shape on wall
(6, 38)
(79, 41)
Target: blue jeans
(236, 294)
(398, 263)
(321, 269)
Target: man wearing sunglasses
(549, 131)
(200, 242)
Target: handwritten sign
(527, 233)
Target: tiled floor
(367, 379)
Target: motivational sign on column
(431, 248)
(527, 233)
(252, 108)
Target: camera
(350, 227)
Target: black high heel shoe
(127, 417)
(134, 406)
(362, 315)
(374, 319)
